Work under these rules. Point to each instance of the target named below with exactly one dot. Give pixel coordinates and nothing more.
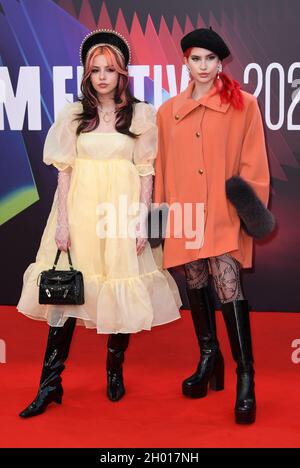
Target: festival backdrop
(40, 70)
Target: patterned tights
(225, 271)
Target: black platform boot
(236, 316)
(50, 389)
(116, 347)
(210, 369)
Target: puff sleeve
(60, 142)
(144, 124)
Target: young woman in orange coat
(212, 151)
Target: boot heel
(216, 381)
(58, 399)
(57, 396)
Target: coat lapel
(183, 104)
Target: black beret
(206, 39)
(104, 36)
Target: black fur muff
(256, 219)
(156, 225)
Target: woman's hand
(62, 237)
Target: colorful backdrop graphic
(40, 69)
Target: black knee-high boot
(210, 369)
(116, 347)
(236, 316)
(50, 389)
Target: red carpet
(153, 412)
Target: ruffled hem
(126, 305)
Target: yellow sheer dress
(124, 292)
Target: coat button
(201, 171)
(177, 117)
(198, 134)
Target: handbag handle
(57, 258)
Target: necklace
(106, 115)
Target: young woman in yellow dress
(104, 147)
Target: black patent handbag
(61, 286)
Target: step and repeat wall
(40, 70)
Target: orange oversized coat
(201, 145)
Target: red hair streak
(228, 89)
